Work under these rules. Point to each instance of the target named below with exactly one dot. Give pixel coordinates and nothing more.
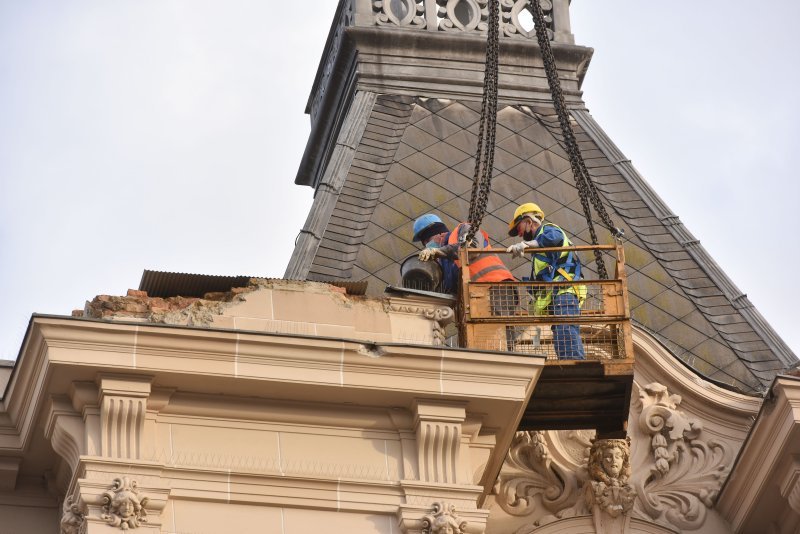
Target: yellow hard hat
(529, 208)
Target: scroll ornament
(685, 473)
(530, 472)
(123, 507)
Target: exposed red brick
(137, 293)
(135, 307)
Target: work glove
(517, 250)
(430, 254)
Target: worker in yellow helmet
(528, 223)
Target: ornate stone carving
(671, 476)
(123, 507)
(685, 473)
(441, 316)
(463, 15)
(516, 20)
(72, 518)
(443, 520)
(399, 12)
(609, 472)
(530, 471)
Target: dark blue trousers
(567, 338)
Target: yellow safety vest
(544, 270)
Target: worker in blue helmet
(433, 234)
(443, 245)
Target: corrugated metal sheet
(165, 284)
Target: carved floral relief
(681, 473)
(670, 476)
(123, 507)
(443, 520)
(530, 476)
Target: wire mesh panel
(564, 319)
(555, 341)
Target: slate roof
(416, 156)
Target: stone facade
(262, 419)
(283, 404)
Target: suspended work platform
(561, 321)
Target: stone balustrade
(468, 16)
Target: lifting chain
(586, 188)
(484, 156)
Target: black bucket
(421, 275)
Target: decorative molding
(443, 520)
(440, 316)
(123, 507)
(678, 476)
(73, 519)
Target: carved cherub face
(613, 460)
(445, 525)
(126, 504)
(610, 461)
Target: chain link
(484, 156)
(586, 188)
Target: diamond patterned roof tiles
(416, 156)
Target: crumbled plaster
(193, 311)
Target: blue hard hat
(424, 222)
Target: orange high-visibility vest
(488, 267)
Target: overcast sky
(166, 135)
